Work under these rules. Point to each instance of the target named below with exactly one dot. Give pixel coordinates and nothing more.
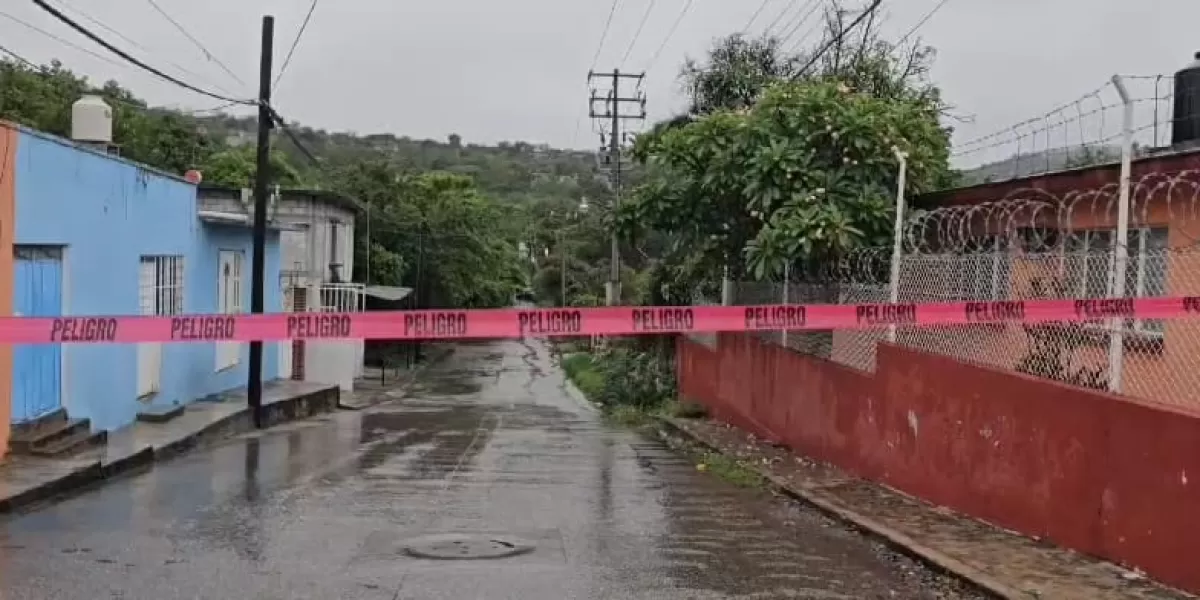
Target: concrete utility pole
(262, 180)
(615, 111)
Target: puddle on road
(439, 440)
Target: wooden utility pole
(615, 109)
(262, 180)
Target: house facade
(316, 268)
(83, 232)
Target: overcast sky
(494, 70)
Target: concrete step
(48, 434)
(159, 413)
(31, 428)
(71, 445)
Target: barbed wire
(1083, 132)
(1048, 221)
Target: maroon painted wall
(1095, 472)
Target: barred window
(160, 285)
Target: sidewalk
(1003, 563)
(26, 480)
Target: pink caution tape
(623, 320)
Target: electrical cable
(603, 35)
(779, 17)
(837, 38)
(62, 41)
(18, 57)
(125, 55)
(136, 44)
(670, 33)
(295, 42)
(812, 6)
(196, 42)
(922, 22)
(754, 17)
(638, 33)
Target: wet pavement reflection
(487, 481)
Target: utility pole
(562, 251)
(615, 111)
(262, 180)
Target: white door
(229, 302)
(285, 347)
(149, 354)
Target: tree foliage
(775, 166)
(435, 232)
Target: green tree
(436, 233)
(236, 167)
(735, 73)
(805, 174)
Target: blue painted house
(95, 234)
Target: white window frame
(160, 294)
(164, 295)
(1138, 265)
(229, 354)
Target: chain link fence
(1026, 246)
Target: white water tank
(91, 120)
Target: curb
(95, 473)
(893, 539)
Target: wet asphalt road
(488, 446)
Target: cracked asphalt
(488, 454)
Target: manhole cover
(464, 547)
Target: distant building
(316, 267)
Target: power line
(135, 44)
(125, 55)
(836, 39)
(670, 33)
(754, 17)
(922, 22)
(779, 17)
(196, 42)
(18, 57)
(295, 42)
(604, 34)
(62, 41)
(812, 5)
(638, 33)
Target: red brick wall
(1090, 471)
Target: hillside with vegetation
(448, 216)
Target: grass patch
(582, 369)
(729, 470)
(684, 410)
(628, 415)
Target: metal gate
(342, 297)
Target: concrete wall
(107, 213)
(1102, 474)
(8, 158)
(307, 251)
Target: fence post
(898, 237)
(1116, 342)
(787, 276)
(726, 288)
